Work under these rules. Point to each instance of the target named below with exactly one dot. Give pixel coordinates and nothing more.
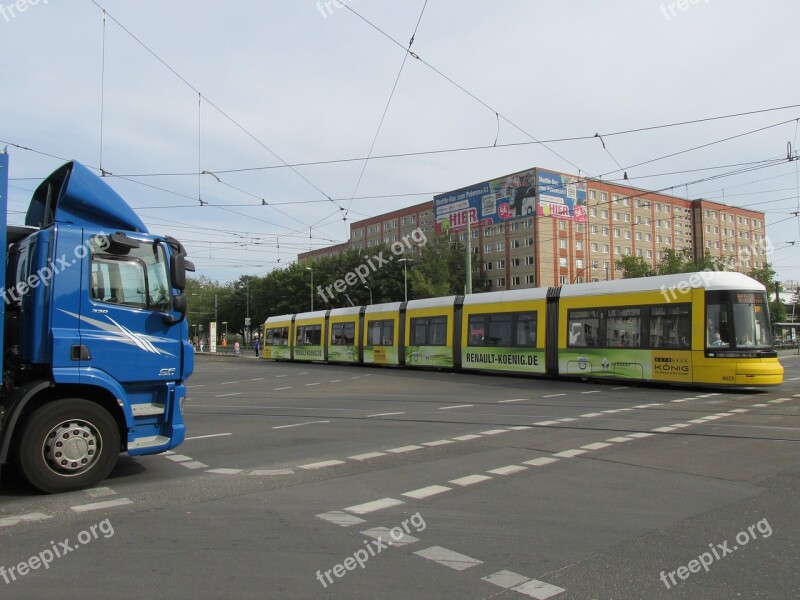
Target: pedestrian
(255, 347)
(236, 348)
(201, 345)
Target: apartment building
(544, 228)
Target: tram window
(583, 328)
(502, 329)
(429, 331)
(343, 334)
(750, 320)
(623, 327)
(718, 326)
(277, 336)
(309, 335)
(380, 333)
(671, 326)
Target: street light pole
(405, 276)
(312, 287)
(370, 293)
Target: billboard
(487, 203)
(561, 196)
(512, 197)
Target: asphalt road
(320, 481)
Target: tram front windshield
(737, 320)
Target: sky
(164, 91)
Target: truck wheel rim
(71, 447)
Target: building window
(501, 282)
(604, 214)
(529, 260)
(578, 245)
(562, 243)
(616, 233)
(501, 264)
(605, 231)
(605, 248)
(515, 280)
(594, 247)
(562, 225)
(562, 262)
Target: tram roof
(708, 280)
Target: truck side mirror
(179, 305)
(178, 271)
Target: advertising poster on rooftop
(561, 196)
(487, 203)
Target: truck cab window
(138, 279)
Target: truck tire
(67, 445)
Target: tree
(633, 267)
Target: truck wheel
(67, 445)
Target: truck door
(122, 316)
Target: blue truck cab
(95, 342)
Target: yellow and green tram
(708, 328)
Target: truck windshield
(137, 279)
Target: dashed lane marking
(367, 456)
(619, 440)
(203, 437)
(178, 457)
(540, 462)
(448, 558)
(469, 480)
(402, 449)
(228, 382)
(271, 472)
(299, 424)
(101, 505)
(281, 389)
(513, 400)
(29, 518)
(524, 585)
(313, 384)
(547, 423)
(195, 464)
(386, 414)
(494, 431)
(321, 465)
(508, 470)
(438, 443)
(226, 395)
(569, 453)
(426, 492)
(553, 395)
(466, 438)
(225, 471)
(591, 392)
(452, 407)
(596, 446)
(337, 517)
(368, 507)
(590, 415)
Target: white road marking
(569, 453)
(591, 392)
(225, 471)
(336, 380)
(280, 375)
(466, 438)
(639, 435)
(29, 518)
(368, 507)
(793, 379)
(270, 472)
(697, 421)
(426, 492)
(644, 405)
(226, 395)
(281, 388)
(553, 395)
(538, 589)
(101, 505)
(506, 579)
(179, 457)
(367, 456)
(195, 464)
(448, 558)
(469, 480)
(228, 382)
(438, 443)
(615, 410)
(356, 377)
(321, 465)
(547, 423)
(680, 425)
(313, 384)
(619, 440)
(595, 446)
(624, 387)
(402, 449)
(203, 437)
(337, 517)
(303, 373)
(723, 415)
(195, 386)
(521, 427)
(299, 424)
(386, 414)
(100, 492)
(510, 469)
(740, 410)
(513, 400)
(540, 462)
(452, 407)
(567, 420)
(590, 415)
(664, 429)
(494, 431)
(779, 400)
(258, 378)
(760, 405)
(384, 533)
